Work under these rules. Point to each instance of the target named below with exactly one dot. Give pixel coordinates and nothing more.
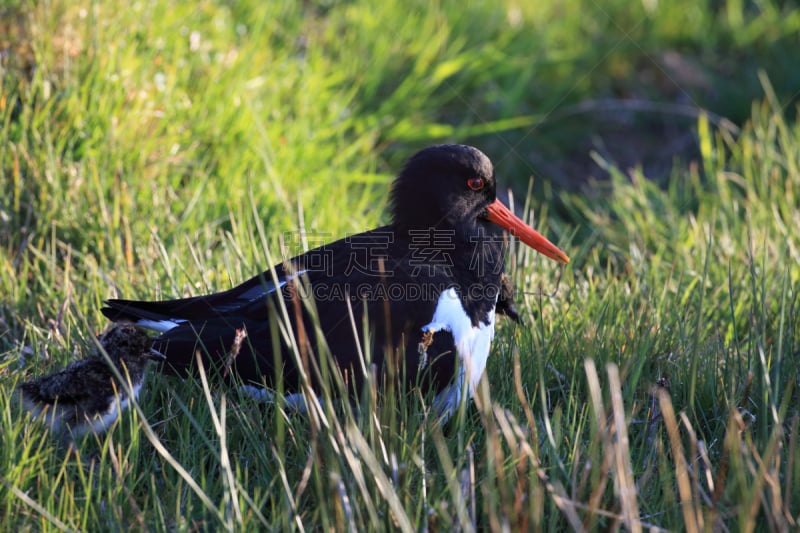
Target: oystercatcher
(424, 289)
(84, 396)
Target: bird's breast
(472, 342)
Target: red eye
(475, 184)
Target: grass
(153, 150)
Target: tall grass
(159, 150)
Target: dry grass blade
(681, 468)
(596, 399)
(618, 518)
(707, 469)
(345, 508)
(468, 486)
(766, 475)
(233, 353)
(695, 472)
(516, 439)
(790, 454)
(622, 454)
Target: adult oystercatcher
(424, 289)
(86, 396)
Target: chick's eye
(475, 184)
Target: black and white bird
(87, 396)
(426, 287)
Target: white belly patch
(472, 345)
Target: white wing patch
(160, 325)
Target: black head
(448, 185)
(452, 186)
(127, 342)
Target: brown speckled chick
(83, 397)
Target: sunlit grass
(158, 150)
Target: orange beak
(500, 215)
